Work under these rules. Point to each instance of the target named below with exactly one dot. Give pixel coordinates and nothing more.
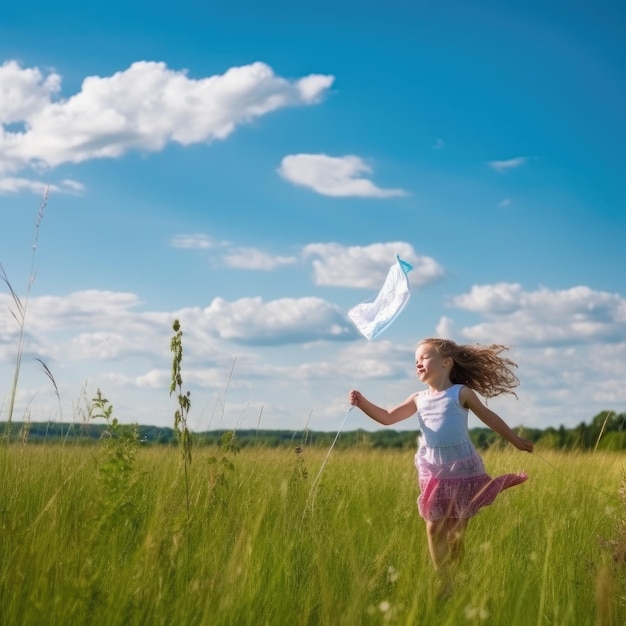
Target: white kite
(371, 318)
(376, 314)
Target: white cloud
(24, 91)
(153, 379)
(107, 324)
(81, 309)
(197, 241)
(9, 184)
(498, 298)
(445, 328)
(286, 320)
(334, 265)
(333, 176)
(253, 259)
(72, 185)
(108, 338)
(311, 88)
(544, 317)
(366, 267)
(508, 164)
(15, 185)
(569, 384)
(141, 108)
(382, 360)
(104, 345)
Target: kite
(373, 316)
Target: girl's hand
(355, 397)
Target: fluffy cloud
(24, 91)
(498, 298)
(287, 320)
(334, 265)
(544, 317)
(141, 108)
(108, 338)
(366, 266)
(107, 345)
(107, 323)
(333, 176)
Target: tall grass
(262, 556)
(19, 313)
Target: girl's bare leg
(456, 540)
(446, 541)
(438, 542)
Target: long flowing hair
(477, 366)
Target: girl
(452, 478)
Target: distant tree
(615, 440)
(549, 439)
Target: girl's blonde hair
(479, 367)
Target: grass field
(260, 541)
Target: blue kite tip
(405, 265)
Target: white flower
(392, 574)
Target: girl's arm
(470, 400)
(380, 415)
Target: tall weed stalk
(181, 413)
(19, 312)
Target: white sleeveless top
(443, 425)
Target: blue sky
(253, 169)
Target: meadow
(101, 534)
(116, 532)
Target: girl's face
(429, 363)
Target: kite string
(570, 479)
(356, 375)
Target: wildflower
(392, 574)
(476, 613)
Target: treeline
(606, 431)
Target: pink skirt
(458, 489)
